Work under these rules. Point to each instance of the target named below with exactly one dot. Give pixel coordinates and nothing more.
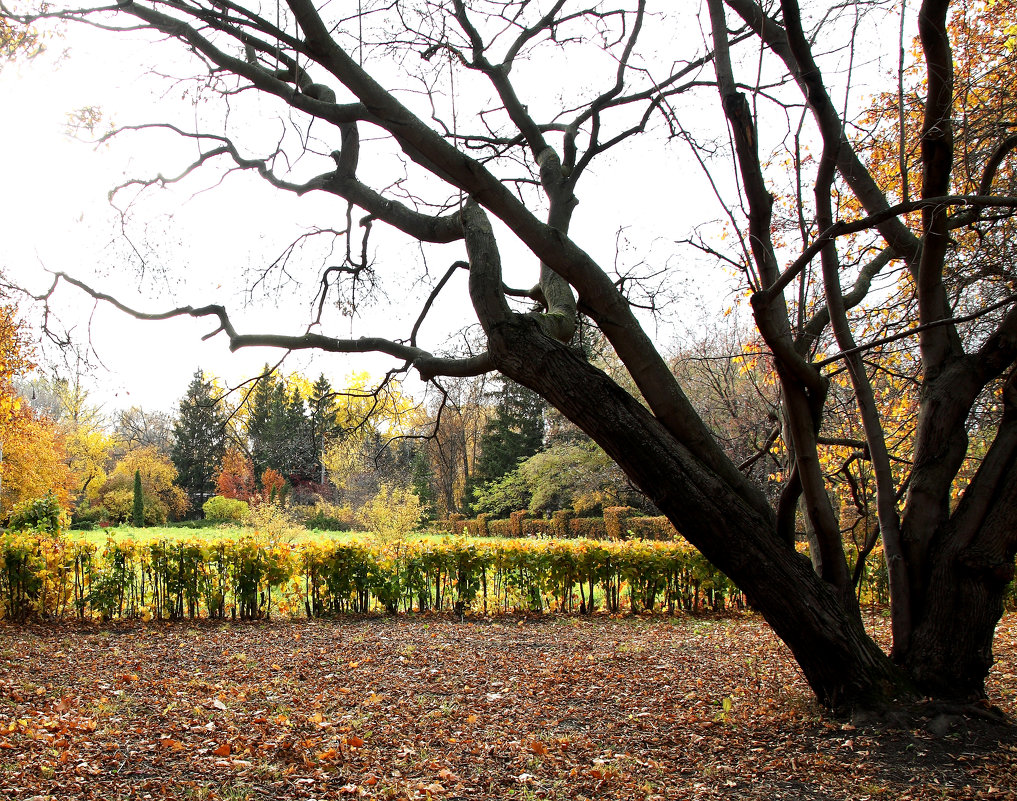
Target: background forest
(483, 447)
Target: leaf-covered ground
(562, 707)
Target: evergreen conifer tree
(199, 440)
(323, 422)
(139, 502)
(258, 423)
(515, 432)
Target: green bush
(319, 521)
(86, 518)
(226, 510)
(41, 514)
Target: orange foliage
(236, 478)
(272, 483)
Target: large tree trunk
(970, 560)
(844, 667)
(951, 647)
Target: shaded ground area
(641, 708)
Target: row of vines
(47, 576)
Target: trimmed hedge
(43, 576)
(618, 523)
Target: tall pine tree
(259, 423)
(281, 432)
(296, 440)
(514, 432)
(324, 413)
(199, 439)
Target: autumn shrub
(257, 568)
(111, 581)
(273, 522)
(226, 510)
(560, 524)
(536, 527)
(392, 513)
(20, 575)
(499, 528)
(346, 571)
(479, 526)
(324, 516)
(457, 524)
(34, 570)
(43, 515)
(516, 522)
(651, 528)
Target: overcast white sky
(56, 216)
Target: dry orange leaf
(223, 750)
(354, 742)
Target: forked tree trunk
(971, 565)
(951, 647)
(843, 666)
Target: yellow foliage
(33, 461)
(392, 514)
(157, 477)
